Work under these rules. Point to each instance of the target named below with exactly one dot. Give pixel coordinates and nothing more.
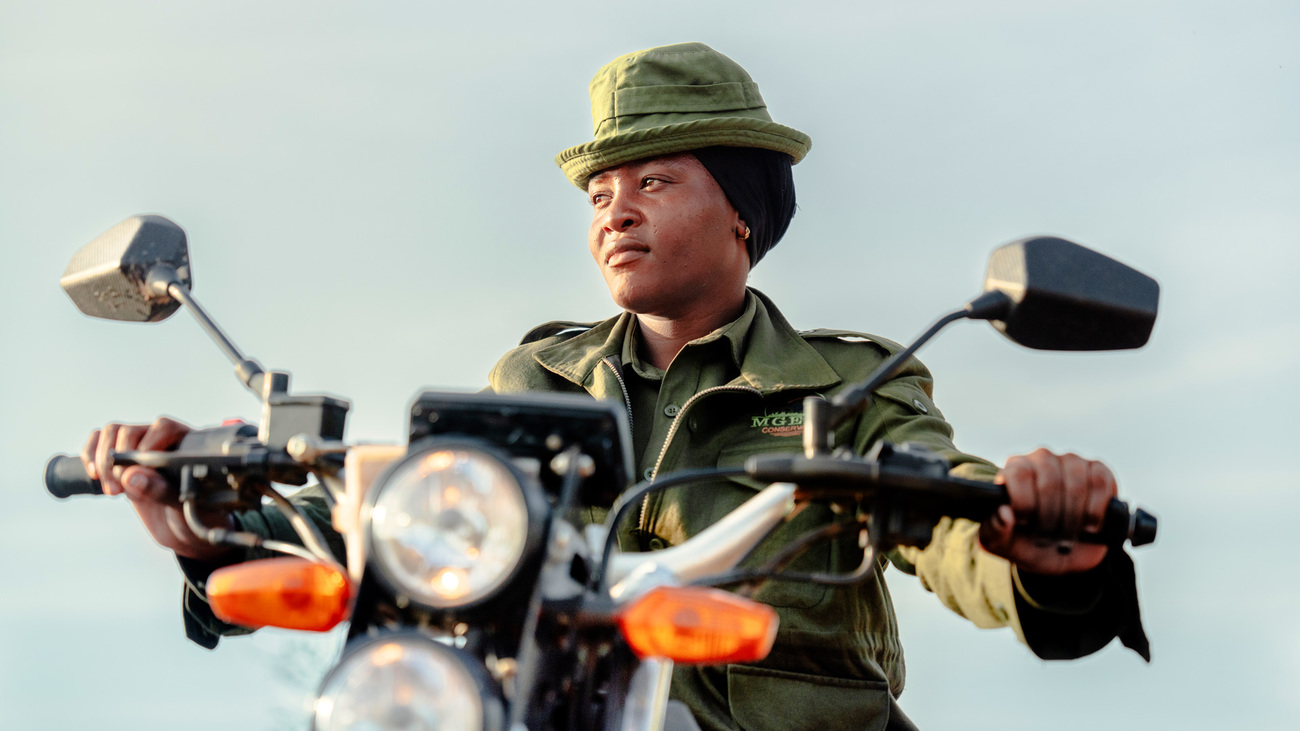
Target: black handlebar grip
(65, 476)
(1137, 526)
(1144, 528)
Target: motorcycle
(477, 595)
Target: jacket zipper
(643, 528)
(614, 366)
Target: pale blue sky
(371, 203)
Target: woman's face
(664, 236)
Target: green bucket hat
(673, 99)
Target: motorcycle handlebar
(65, 476)
(947, 495)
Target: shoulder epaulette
(850, 336)
(557, 327)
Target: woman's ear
(742, 231)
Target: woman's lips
(623, 257)
(625, 253)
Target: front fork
(646, 704)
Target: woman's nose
(622, 213)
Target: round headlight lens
(403, 682)
(448, 526)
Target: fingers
(128, 437)
(1102, 488)
(1058, 496)
(97, 454)
(163, 434)
(998, 535)
(998, 532)
(104, 459)
(88, 453)
(142, 484)
(1075, 479)
(1053, 499)
(1020, 477)
(1047, 491)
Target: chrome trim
(719, 547)
(646, 704)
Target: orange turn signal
(693, 624)
(293, 593)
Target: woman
(690, 184)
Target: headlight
(406, 681)
(449, 525)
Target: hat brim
(580, 162)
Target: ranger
(690, 185)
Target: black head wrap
(760, 186)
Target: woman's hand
(154, 501)
(1054, 499)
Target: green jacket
(737, 392)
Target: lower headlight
(449, 525)
(407, 681)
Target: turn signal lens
(691, 624)
(293, 593)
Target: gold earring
(744, 236)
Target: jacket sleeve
(1057, 617)
(202, 627)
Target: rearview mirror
(1067, 297)
(107, 278)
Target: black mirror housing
(1067, 297)
(107, 277)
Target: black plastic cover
(1067, 297)
(65, 476)
(537, 426)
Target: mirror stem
(822, 417)
(164, 281)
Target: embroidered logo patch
(779, 424)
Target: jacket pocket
(780, 700)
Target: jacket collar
(769, 353)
